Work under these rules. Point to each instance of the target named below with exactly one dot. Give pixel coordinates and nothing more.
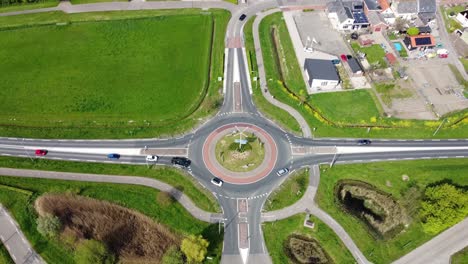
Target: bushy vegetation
(195, 248)
(148, 76)
(460, 257)
(48, 225)
(412, 31)
(5, 256)
(17, 5)
(92, 251)
(305, 250)
(173, 256)
(406, 182)
(443, 206)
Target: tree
(195, 248)
(48, 225)
(400, 24)
(173, 256)
(412, 31)
(92, 251)
(444, 205)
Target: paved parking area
(316, 25)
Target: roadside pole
(437, 130)
(334, 157)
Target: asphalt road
(229, 194)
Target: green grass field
(200, 196)
(286, 83)
(142, 199)
(460, 257)
(276, 233)
(121, 78)
(289, 192)
(5, 256)
(387, 176)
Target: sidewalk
(155, 184)
(19, 248)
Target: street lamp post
(255, 78)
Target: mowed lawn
(105, 73)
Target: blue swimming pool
(397, 45)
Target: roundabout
(240, 153)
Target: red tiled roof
(391, 58)
(384, 4)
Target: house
(390, 58)
(355, 66)
(381, 6)
(347, 15)
(425, 30)
(321, 74)
(427, 10)
(406, 9)
(377, 22)
(462, 17)
(419, 42)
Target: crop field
(107, 75)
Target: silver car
(282, 172)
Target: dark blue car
(113, 156)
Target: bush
(195, 248)
(173, 256)
(92, 251)
(444, 206)
(49, 225)
(412, 31)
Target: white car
(152, 158)
(217, 181)
(282, 172)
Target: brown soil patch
(305, 250)
(132, 236)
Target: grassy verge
(390, 91)
(387, 176)
(289, 192)
(5, 256)
(460, 257)
(28, 6)
(79, 2)
(280, 116)
(276, 233)
(140, 198)
(120, 45)
(281, 85)
(450, 23)
(201, 197)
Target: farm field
(388, 177)
(122, 78)
(18, 195)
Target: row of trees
(19, 2)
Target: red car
(344, 57)
(41, 152)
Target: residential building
(427, 10)
(462, 17)
(419, 42)
(347, 15)
(406, 9)
(377, 22)
(355, 66)
(321, 75)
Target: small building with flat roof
(321, 75)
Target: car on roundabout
(282, 172)
(217, 181)
(152, 158)
(181, 161)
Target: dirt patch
(304, 250)
(132, 236)
(378, 209)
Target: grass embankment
(142, 199)
(7, 6)
(282, 117)
(200, 197)
(142, 77)
(460, 257)
(5, 256)
(276, 233)
(289, 192)
(387, 176)
(285, 83)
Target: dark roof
(426, 29)
(354, 65)
(372, 5)
(408, 6)
(360, 18)
(321, 69)
(423, 41)
(427, 6)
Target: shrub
(412, 31)
(195, 248)
(173, 256)
(48, 225)
(92, 251)
(444, 205)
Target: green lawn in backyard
(11, 7)
(346, 106)
(398, 128)
(289, 192)
(200, 196)
(123, 78)
(281, 116)
(276, 233)
(387, 176)
(374, 53)
(461, 257)
(142, 199)
(5, 256)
